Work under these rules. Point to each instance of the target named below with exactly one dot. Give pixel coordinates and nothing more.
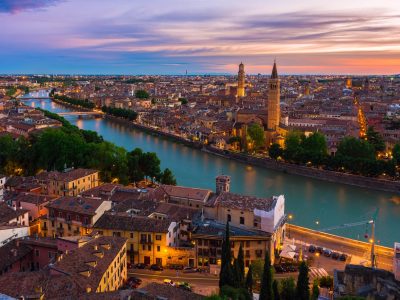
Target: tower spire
(274, 74)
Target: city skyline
(202, 37)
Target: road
(384, 255)
(202, 283)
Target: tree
(302, 288)
(315, 290)
(141, 94)
(275, 150)
(293, 149)
(275, 289)
(351, 147)
(183, 101)
(396, 153)
(226, 273)
(257, 268)
(314, 148)
(266, 292)
(256, 133)
(249, 280)
(288, 291)
(239, 268)
(375, 139)
(167, 177)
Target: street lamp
(290, 217)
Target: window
(158, 237)
(78, 218)
(247, 244)
(242, 220)
(229, 217)
(143, 247)
(255, 224)
(247, 253)
(131, 235)
(143, 238)
(116, 233)
(50, 255)
(149, 247)
(158, 248)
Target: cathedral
(268, 118)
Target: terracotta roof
(185, 192)
(76, 260)
(242, 202)
(71, 175)
(81, 205)
(11, 253)
(159, 290)
(29, 284)
(129, 222)
(33, 198)
(7, 213)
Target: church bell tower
(240, 86)
(274, 95)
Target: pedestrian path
(316, 272)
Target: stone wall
(332, 176)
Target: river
(313, 203)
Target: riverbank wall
(391, 186)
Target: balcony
(146, 242)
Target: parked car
(320, 250)
(327, 252)
(291, 268)
(312, 249)
(134, 280)
(140, 266)
(156, 267)
(343, 257)
(335, 255)
(176, 267)
(280, 269)
(189, 270)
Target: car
(312, 249)
(140, 266)
(279, 269)
(327, 252)
(168, 281)
(184, 285)
(335, 255)
(343, 257)
(156, 267)
(134, 280)
(291, 268)
(189, 270)
(320, 250)
(176, 267)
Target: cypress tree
(249, 280)
(315, 290)
(226, 273)
(303, 289)
(240, 266)
(266, 292)
(275, 289)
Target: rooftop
(242, 202)
(78, 204)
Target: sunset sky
(201, 36)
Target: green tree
(288, 289)
(293, 149)
(257, 268)
(249, 280)
(315, 290)
(275, 289)
(396, 153)
(183, 101)
(314, 148)
(226, 273)
(256, 133)
(266, 292)
(375, 139)
(351, 147)
(302, 288)
(275, 150)
(142, 94)
(167, 177)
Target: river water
(313, 203)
